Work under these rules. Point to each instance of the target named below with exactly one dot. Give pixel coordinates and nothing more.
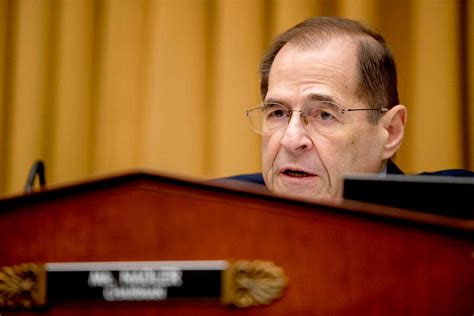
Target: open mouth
(297, 173)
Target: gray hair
(377, 74)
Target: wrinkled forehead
(333, 63)
(337, 48)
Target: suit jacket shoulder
(392, 168)
(450, 173)
(249, 177)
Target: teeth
(297, 174)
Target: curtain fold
(94, 87)
(468, 80)
(435, 114)
(71, 135)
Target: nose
(296, 136)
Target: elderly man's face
(302, 162)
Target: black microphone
(37, 169)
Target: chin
(303, 194)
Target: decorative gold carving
(22, 286)
(252, 283)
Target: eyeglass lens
(319, 116)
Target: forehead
(330, 69)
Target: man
(330, 107)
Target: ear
(393, 122)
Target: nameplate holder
(241, 283)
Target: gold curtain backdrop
(98, 87)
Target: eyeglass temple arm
(382, 110)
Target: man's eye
(320, 115)
(277, 114)
(326, 116)
(274, 113)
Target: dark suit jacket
(391, 169)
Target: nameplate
(84, 283)
(134, 281)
